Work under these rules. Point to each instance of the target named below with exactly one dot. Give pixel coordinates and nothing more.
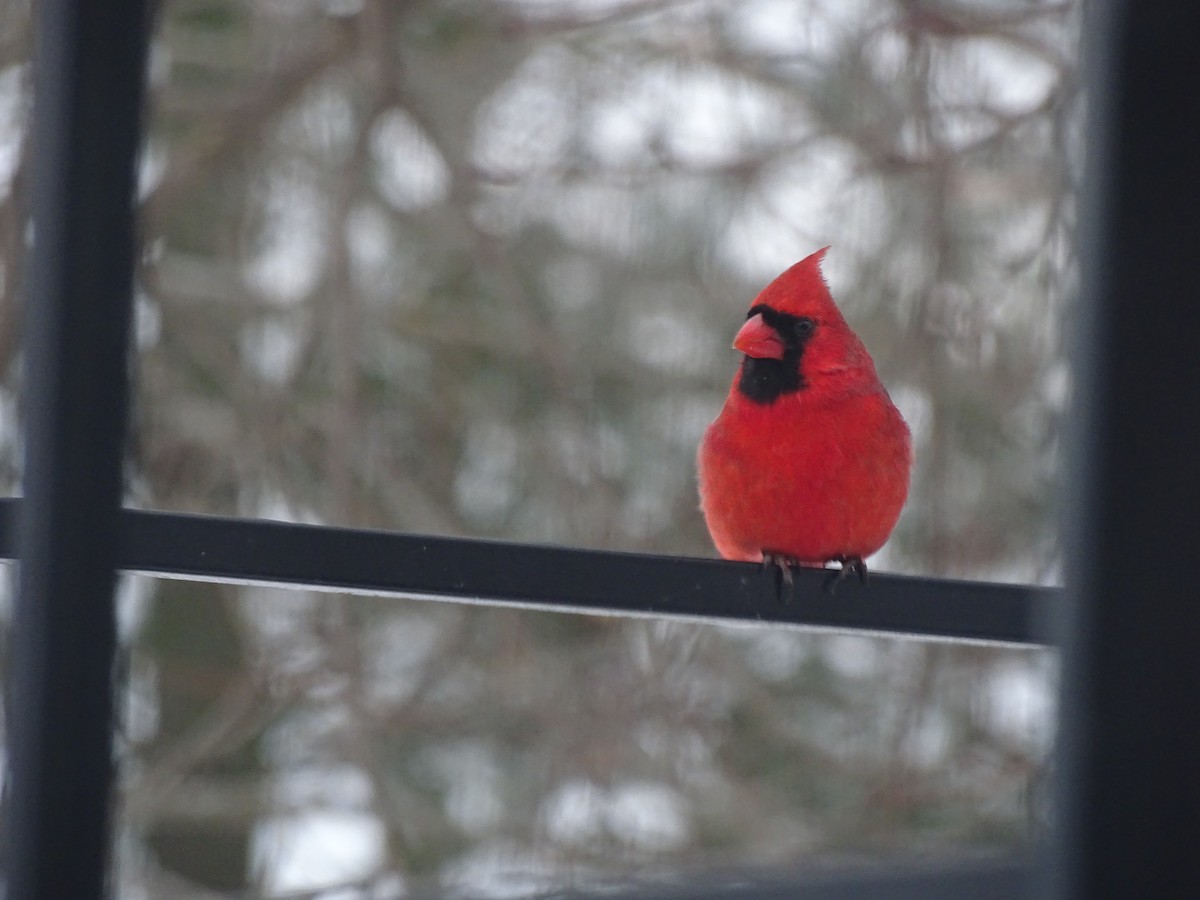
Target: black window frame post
(1128, 753)
(88, 84)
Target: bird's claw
(850, 564)
(783, 574)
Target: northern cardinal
(808, 462)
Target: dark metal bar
(88, 87)
(560, 578)
(985, 878)
(1129, 739)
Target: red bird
(809, 460)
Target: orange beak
(758, 339)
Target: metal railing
(557, 578)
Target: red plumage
(809, 459)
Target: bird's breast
(811, 481)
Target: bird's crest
(801, 290)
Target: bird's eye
(805, 326)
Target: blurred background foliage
(472, 268)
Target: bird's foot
(784, 582)
(850, 565)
